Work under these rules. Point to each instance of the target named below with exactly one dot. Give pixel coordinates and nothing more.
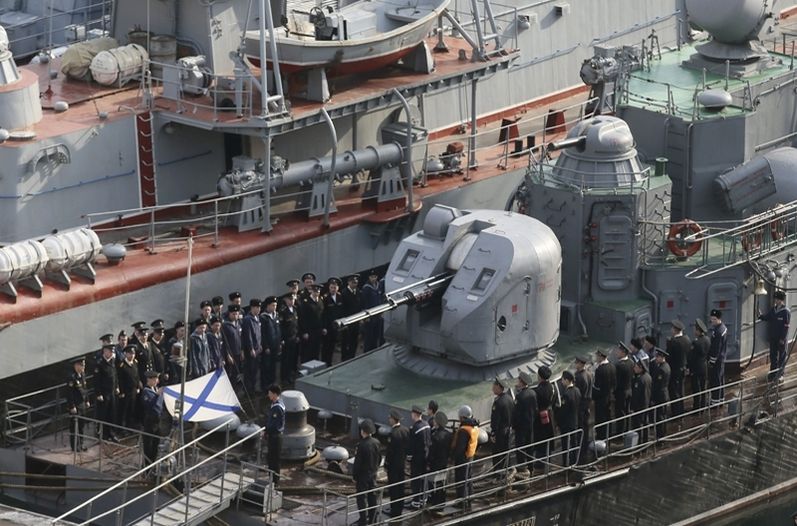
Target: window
(408, 261)
(483, 280)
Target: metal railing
(186, 476)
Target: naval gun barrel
(567, 143)
(411, 294)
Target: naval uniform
(275, 425)
(289, 324)
(251, 347)
(107, 389)
(152, 405)
(569, 422)
(641, 389)
(371, 296)
(352, 304)
(660, 394)
(624, 371)
(500, 428)
(439, 451)
(419, 444)
(333, 309)
(716, 362)
(272, 349)
(231, 332)
(366, 463)
(603, 386)
(310, 326)
(583, 381)
(129, 387)
(217, 350)
(678, 348)
(145, 357)
(523, 421)
(696, 362)
(77, 400)
(395, 458)
(199, 355)
(779, 318)
(543, 420)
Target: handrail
(140, 472)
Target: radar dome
(728, 21)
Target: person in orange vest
(464, 449)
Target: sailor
(289, 324)
(395, 460)
(217, 307)
(569, 419)
(641, 389)
(77, 402)
(251, 346)
(293, 288)
(366, 464)
(129, 387)
(466, 440)
(275, 425)
(418, 451)
(583, 382)
(622, 392)
(311, 324)
(637, 351)
(158, 339)
(107, 389)
(716, 357)
(308, 282)
(152, 406)
(235, 298)
(176, 362)
(333, 309)
(696, 363)
(543, 420)
(371, 296)
(500, 425)
(178, 336)
(352, 304)
(119, 349)
(205, 311)
(778, 318)
(603, 386)
(660, 392)
(439, 451)
(649, 346)
(216, 346)
(104, 340)
(231, 332)
(145, 351)
(271, 341)
(431, 410)
(678, 347)
(523, 416)
(199, 351)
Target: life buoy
(777, 229)
(677, 242)
(751, 240)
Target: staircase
(203, 502)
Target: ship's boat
(359, 37)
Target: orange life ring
(777, 229)
(676, 238)
(751, 240)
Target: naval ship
(174, 144)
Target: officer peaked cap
(79, 359)
(307, 275)
(106, 337)
(700, 324)
(678, 324)
(130, 348)
(292, 283)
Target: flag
(207, 397)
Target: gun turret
(417, 292)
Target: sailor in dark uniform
(308, 280)
(152, 408)
(311, 324)
(660, 391)
(216, 346)
(696, 363)
(395, 460)
(158, 340)
(603, 386)
(199, 351)
(293, 287)
(235, 298)
(145, 351)
(176, 363)
(119, 349)
(569, 419)
(105, 339)
(419, 444)
(371, 295)
(77, 402)
(275, 425)
(333, 309)
(107, 390)
(716, 357)
(251, 345)
(231, 333)
(678, 347)
(439, 453)
(622, 391)
(271, 342)
(366, 463)
(129, 387)
(352, 304)
(641, 389)
(178, 334)
(778, 318)
(543, 420)
(217, 307)
(289, 323)
(523, 416)
(500, 424)
(205, 312)
(583, 382)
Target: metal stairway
(201, 503)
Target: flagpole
(186, 340)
